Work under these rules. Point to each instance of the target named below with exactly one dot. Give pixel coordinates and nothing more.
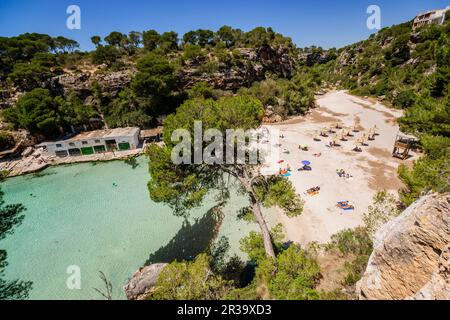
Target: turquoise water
(99, 217)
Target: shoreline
(52, 161)
(369, 171)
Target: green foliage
(169, 41)
(229, 268)
(108, 55)
(155, 77)
(96, 40)
(73, 112)
(41, 113)
(194, 53)
(253, 244)
(11, 215)
(115, 39)
(287, 97)
(151, 39)
(404, 99)
(238, 112)
(249, 292)
(427, 116)
(127, 110)
(36, 111)
(383, 209)
(200, 37)
(29, 75)
(354, 270)
(6, 140)
(427, 174)
(226, 35)
(23, 48)
(352, 241)
(278, 191)
(293, 275)
(189, 281)
(183, 187)
(356, 244)
(201, 90)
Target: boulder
(143, 281)
(408, 253)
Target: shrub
(6, 140)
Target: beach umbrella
(306, 162)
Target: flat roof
(99, 134)
(104, 134)
(433, 11)
(151, 132)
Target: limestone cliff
(411, 254)
(143, 281)
(252, 65)
(438, 288)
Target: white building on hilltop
(91, 142)
(430, 17)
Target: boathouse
(91, 142)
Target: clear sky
(326, 23)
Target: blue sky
(327, 23)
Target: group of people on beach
(286, 170)
(343, 174)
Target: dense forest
(154, 75)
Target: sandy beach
(372, 170)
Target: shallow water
(99, 217)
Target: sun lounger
(345, 205)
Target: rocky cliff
(411, 254)
(81, 83)
(252, 65)
(143, 281)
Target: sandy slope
(374, 169)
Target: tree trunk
(268, 245)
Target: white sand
(373, 170)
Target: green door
(99, 149)
(124, 146)
(87, 151)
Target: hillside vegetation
(48, 87)
(407, 70)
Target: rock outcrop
(252, 65)
(410, 257)
(143, 281)
(438, 288)
(81, 83)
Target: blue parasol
(306, 162)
